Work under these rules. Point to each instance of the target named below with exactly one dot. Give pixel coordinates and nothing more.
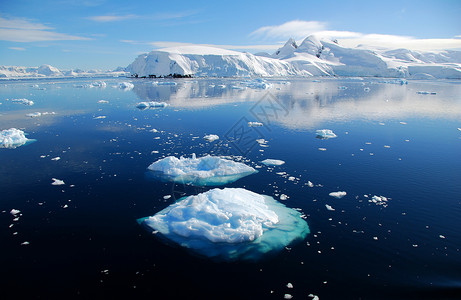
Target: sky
(104, 34)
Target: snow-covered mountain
(46, 71)
(313, 57)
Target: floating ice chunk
(367, 89)
(203, 171)
(338, 195)
(273, 162)
(426, 93)
(100, 84)
(25, 243)
(283, 197)
(309, 184)
(325, 134)
(57, 181)
(287, 296)
(329, 207)
(23, 101)
(289, 285)
(211, 137)
(459, 128)
(14, 212)
(258, 83)
(103, 101)
(99, 117)
(151, 104)
(126, 86)
(255, 124)
(34, 115)
(164, 83)
(442, 236)
(322, 149)
(229, 224)
(13, 138)
(342, 87)
(56, 158)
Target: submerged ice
(204, 171)
(229, 224)
(12, 138)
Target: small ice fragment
(14, 212)
(322, 149)
(166, 197)
(255, 124)
(367, 89)
(211, 137)
(403, 123)
(164, 83)
(23, 101)
(283, 197)
(56, 158)
(291, 178)
(375, 238)
(151, 104)
(289, 285)
(34, 115)
(310, 184)
(25, 243)
(325, 134)
(426, 93)
(441, 236)
(273, 162)
(459, 128)
(329, 207)
(125, 86)
(65, 206)
(99, 117)
(57, 181)
(386, 146)
(287, 296)
(338, 194)
(103, 101)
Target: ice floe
(38, 114)
(57, 181)
(338, 194)
(379, 200)
(13, 138)
(204, 171)
(126, 86)
(229, 224)
(14, 212)
(426, 93)
(23, 101)
(151, 104)
(325, 134)
(255, 124)
(211, 137)
(329, 207)
(258, 83)
(273, 162)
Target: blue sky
(103, 34)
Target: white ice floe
(426, 93)
(325, 134)
(255, 124)
(379, 200)
(204, 171)
(13, 138)
(151, 104)
(229, 224)
(338, 194)
(125, 85)
(14, 212)
(103, 101)
(273, 162)
(329, 207)
(100, 84)
(56, 158)
(57, 181)
(211, 137)
(38, 114)
(23, 101)
(164, 83)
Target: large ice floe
(229, 224)
(325, 134)
(204, 171)
(13, 138)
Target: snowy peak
(287, 50)
(312, 45)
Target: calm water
(83, 238)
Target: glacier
(228, 224)
(13, 138)
(315, 56)
(204, 171)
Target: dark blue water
(83, 238)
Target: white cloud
(299, 29)
(17, 48)
(22, 30)
(112, 18)
(295, 29)
(166, 44)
